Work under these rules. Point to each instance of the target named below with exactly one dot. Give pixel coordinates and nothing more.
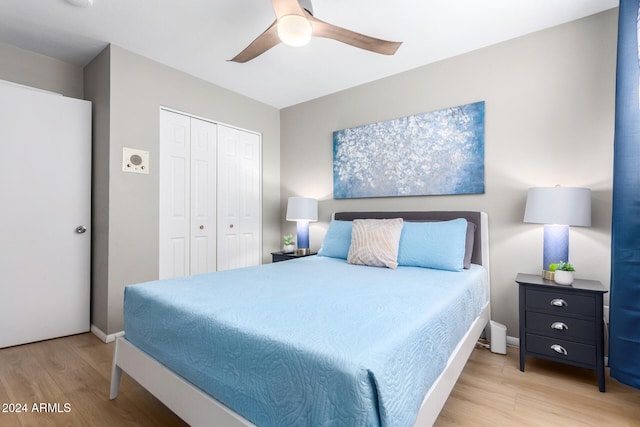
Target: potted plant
(563, 273)
(288, 243)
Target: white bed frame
(199, 409)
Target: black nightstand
(285, 256)
(562, 323)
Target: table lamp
(302, 210)
(557, 208)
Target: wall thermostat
(136, 161)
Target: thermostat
(136, 161)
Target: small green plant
(561, 266)
(288, 239)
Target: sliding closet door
(203, 196)
(175, 154)
(239, 198)
(45, 230)
(187, 195)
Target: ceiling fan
(295, 25)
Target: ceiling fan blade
(260, 45)
(330, 31)
(287, 7)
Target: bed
(313, 341)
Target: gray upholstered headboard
(471, 216)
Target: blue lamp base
(556, 245)
(303, 234)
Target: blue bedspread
(309, 342)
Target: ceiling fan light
(294, 30)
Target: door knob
(202, 227)
(230, 225)
(81, 229)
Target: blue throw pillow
(439, 245)
(337, 241)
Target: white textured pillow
(375, 242)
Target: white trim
(36, 89)
(104, 337)
(513, 341)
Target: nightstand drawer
(552, 325)
(277, 257)
(561, 302)
(562, 350)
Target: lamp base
(303, 251)
(548, 275)
(302, 227)
(556, 245)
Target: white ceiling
(199, 36)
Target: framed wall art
(435, 153)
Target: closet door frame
(260, 184)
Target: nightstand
(562, 323)
(285, 256)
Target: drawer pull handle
(559, 349)
(558, 302)
(560, 326)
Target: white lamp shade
(302, 209)
(559, 205)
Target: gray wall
(128, 235)
(39, 71)
(549, 120)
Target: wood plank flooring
(71, 375)
(493, 392)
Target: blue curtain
(624, 314)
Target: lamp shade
(302, 209)
(559, 205)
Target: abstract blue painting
(440, 152)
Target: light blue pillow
(439, 245)
(337, 241)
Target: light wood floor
(491, 391)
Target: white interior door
(45, 188)
(239, 198)
(187, 195)
(203, 196)
(175, 170)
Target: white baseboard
(513, 341)
(104, 337)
